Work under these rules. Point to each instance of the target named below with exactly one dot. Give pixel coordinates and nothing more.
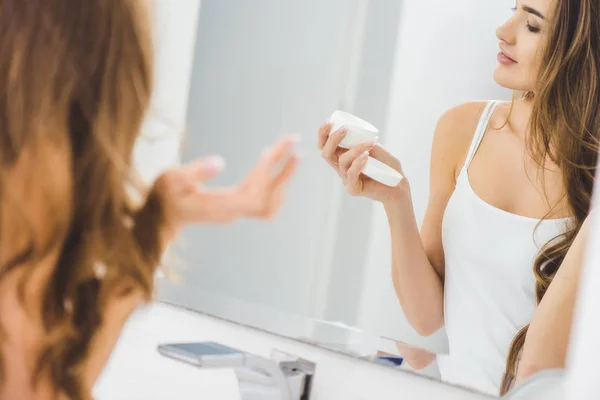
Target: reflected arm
(548, 336)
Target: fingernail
(215, 162)
(364, 155)
(295, 138)
(266, 152)
(370, 144)
(343, 132)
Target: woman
(510, 193)
(76, 254)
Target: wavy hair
(565, 128)
(75, 86)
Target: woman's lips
(505, 60)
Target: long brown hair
(75, 85)
(565, 129)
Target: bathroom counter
(136, 371)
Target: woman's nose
(505, 32)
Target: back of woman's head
(565, 129)
(75, 84)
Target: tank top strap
(484, 121)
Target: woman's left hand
(185, 200)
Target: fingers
(205, 169)
(273, 203)
(346, 159)
(324, 131)
(286, 173)
(381, 154)
(268, 179)
(354, 184)
(276, 190)
(278, 187)
(283, 148)
(329, 149)
(271, 158)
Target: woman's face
(521, 42)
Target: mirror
(322, 272)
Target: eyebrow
(533, 11)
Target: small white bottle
(360, 131)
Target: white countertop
(137, 371)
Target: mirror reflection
(438, 218)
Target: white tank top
(489, 288)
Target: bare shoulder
(459, 123)
(454, 131)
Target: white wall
(175, 24)
(446, 53)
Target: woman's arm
(418, 258)
(548, 336)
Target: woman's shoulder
(458, 124)
(463, 116)
(455, 131)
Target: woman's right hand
(185, 200)
(349, 165)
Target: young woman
(76, 254)
(510, 193)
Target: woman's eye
(532, 28)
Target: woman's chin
(507, 80)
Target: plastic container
(360, 131)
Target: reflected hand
(185, 200)
(349, 165)
(416, 357)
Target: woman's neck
(520, 117)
